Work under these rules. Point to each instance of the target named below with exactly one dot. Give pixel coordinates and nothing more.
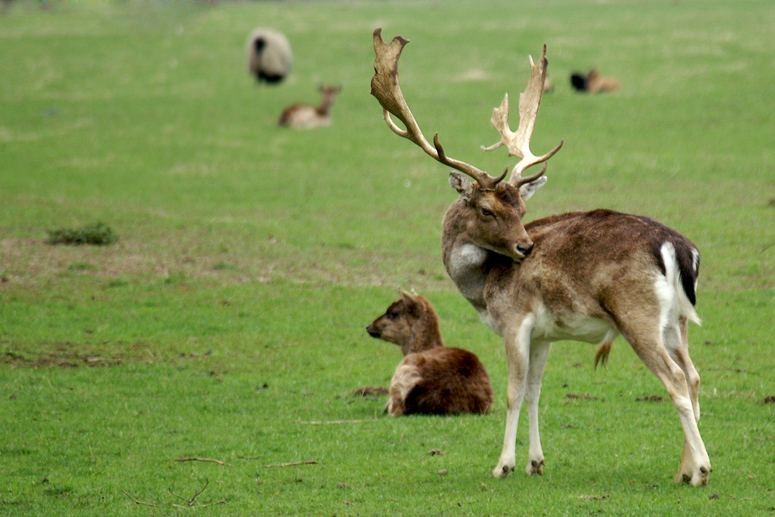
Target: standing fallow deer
(306, 116)
(585, 276)
(432, 379)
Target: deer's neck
(467, 264)
(425, 336)
(324, 110)
(472, 268)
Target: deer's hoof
(501, 471)
(535, 467)
(698, 478)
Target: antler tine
(518, 143)
(385, 87)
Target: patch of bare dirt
(370, 391)
(57, 360)
(650, 398)
(30, 261)
(583, 396)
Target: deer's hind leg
(695, 464)
(677, 343)
(647, 341)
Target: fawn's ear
(411, 305)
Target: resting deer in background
(597, 83)
(432, 379)
(593, 82)
(586, 276)
(305, 116)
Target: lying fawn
(432, 379)
(305, 116)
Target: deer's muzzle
(374, 331)
(523, 250)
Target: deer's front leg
(539, 353)
(518, 356)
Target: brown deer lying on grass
(305, 116)
(586, 276)
(432, 379)
(593, 82)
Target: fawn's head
(410, 322)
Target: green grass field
(228, 321)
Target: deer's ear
(410, 303)
(460, 182)
(528, 189)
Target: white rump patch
(672, 298)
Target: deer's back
(602, 241)
(584, 266)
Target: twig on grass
(291, 464)
(190, 502)
(594, 497)
(136, 501)
(332, 422)
(208, 460)
(222, 501)
(734, 370)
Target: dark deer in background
(305, 116)
(586, 276)
(593, 82)
(432, 379)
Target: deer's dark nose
(524, 250)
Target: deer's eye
(394, 315)
(485, 212)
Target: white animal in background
(269, 55)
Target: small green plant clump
(98, 234)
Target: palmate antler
(518, 143)
(385, 87)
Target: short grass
(227, 322)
